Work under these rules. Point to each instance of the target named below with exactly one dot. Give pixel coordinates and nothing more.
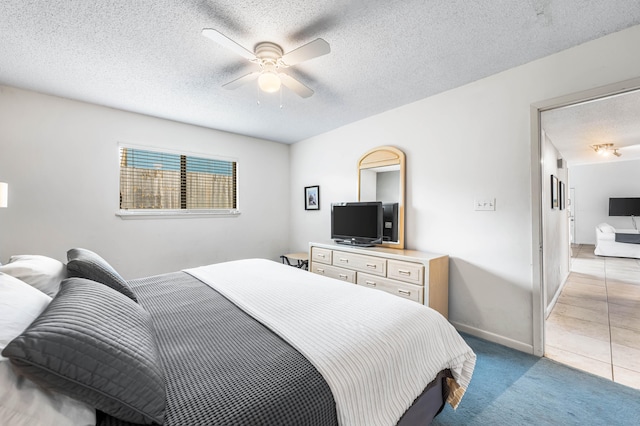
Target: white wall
(60, 159)
(594, 184)
(470, 142)
(556, 244)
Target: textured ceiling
(614, 119)
(149, 56)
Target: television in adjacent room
(624, 206)
(357, 223)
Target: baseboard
(492, 337)
(549, 308)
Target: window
(163, 182)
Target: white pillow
(41, 272)
(22, 402)
(606, 228)
(20, 304)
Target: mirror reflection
(381, 178)
(380, 184)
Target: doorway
(587, 320)
(571, 208)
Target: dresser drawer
(369, 264)
(333, 272)
(321, 255)
(406, 271)
(397, 288)
(418, 276)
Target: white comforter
(376, 351)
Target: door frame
(537, 202)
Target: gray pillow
(97, 346)
(83, 263)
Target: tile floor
(595, 324)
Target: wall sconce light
(4, 194)
(605, 149)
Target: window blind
(154, 180)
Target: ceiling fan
(272, 61)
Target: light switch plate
(485, 204)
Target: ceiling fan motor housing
(268, 53)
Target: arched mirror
(381, 178)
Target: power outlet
(487, 204)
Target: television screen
(357, 223)
(624, 206)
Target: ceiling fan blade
(225, 41)
(317, 47)
(295, 86)
(241, 80)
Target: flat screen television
(357, 223)
(624, 206)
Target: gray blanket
(221, 366)
(628, 238)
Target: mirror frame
(380, 157)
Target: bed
(244, 342)
(617, 242)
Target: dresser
(418, 276)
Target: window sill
(175, 214)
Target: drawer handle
(320, 270)
(372, 265)
(343, 276)
(404, 292)
(403, 272)
(371, 283)
(343, 260)
(320, 255)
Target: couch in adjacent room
(608, 242)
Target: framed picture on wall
(554, 192)
(312, 197)
(561, 195)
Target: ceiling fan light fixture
(269, 82)
(271, 58)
